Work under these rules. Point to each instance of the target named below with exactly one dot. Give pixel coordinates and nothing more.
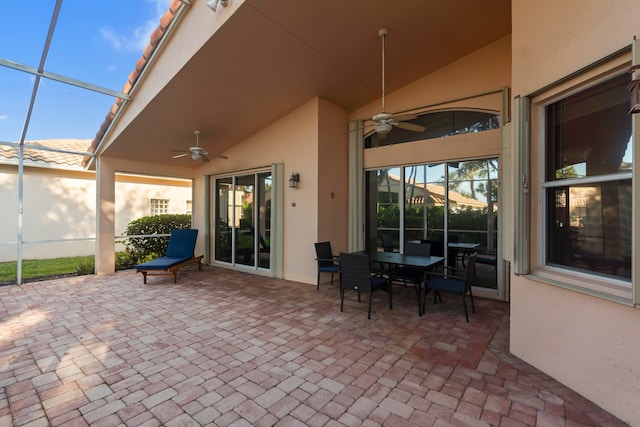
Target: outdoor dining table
(466, 248)
(395, 258)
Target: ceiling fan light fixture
(383, 128)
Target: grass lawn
(37, 268)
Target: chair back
(470, 270)
(182, 243)
(324, 254)
(355, 272)
(387, 242)
(417, 249)
(437, 248)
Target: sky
(95, 41)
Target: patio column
(105, 215)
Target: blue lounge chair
(180, 253)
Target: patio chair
(413, 275)
(454, 281)
(387, 242)
(437, 248)
(355, 274)
(180, 253)
(327, 262)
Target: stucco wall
(293, 141)
(487, 69)
(62, 205)
(588, 343)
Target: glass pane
(15, 93)
(224, 219)
(469, 193)
(590, 226)
(264, 219)
(473, 217)
(245, 231)
(424, 205)
(438, 125)
(387, 207)
(589, 133)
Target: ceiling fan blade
(404, 117)
(410, 126)
(220, 156)
(177, 156)
(204, 158)
(364, 127)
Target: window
(189, 206)
(437, 125)
(158, 206)
(442, 203)
(587, 182)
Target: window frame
(153, 206)
(618, 290)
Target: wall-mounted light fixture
(213, 4)
(294, 180)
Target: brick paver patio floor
(232, 349)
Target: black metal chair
(355, 274)
(387, 242)
(454, 281)
(437, 247)
(327, 262)
(413, 275)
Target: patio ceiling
(272, 56)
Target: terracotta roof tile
(56, 159)
(154, 40)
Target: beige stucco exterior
(587, 341)
(60, 204)
(584, 341)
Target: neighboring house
(288, 89)
(59, 209)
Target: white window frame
(606, 287)
(154, 208)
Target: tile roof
(55, 159)
(148, 51)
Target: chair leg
(464, 304)
(473, 307)
(318, 285)
(341, 298)
(331, 278)
(369, 314)
(417, 286)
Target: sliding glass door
(242, 212)
(453, 205)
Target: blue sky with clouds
(95, 41)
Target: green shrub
(124, 260)
(86, 266)
(152, 247)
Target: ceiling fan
(196, 152)
(384, 122)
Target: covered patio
(222, 347)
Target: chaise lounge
(180, 253)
